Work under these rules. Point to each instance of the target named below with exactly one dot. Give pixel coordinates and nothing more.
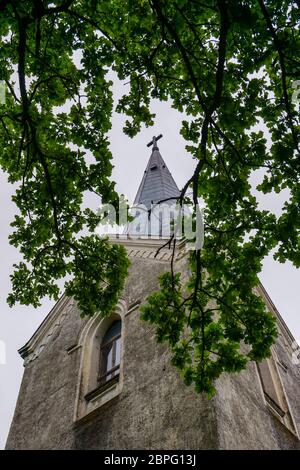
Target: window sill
(275, 408)
(98, 397)
(281, 416)
(102, 388)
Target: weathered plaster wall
(45, 405)
(155, 410)
(243, 419)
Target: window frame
(104, 371)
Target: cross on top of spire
(154, 142)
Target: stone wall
(155, 410)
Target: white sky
(130, 159)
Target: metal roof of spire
(157, 183)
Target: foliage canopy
(228, 65)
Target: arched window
(110, 353)
(101, 344)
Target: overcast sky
(130, 159)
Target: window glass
(110, 353)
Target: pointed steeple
(157, 183)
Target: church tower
(106, 384)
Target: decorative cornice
(151, 248)
(32, 349)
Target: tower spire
(158, 192)
(157, 183)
